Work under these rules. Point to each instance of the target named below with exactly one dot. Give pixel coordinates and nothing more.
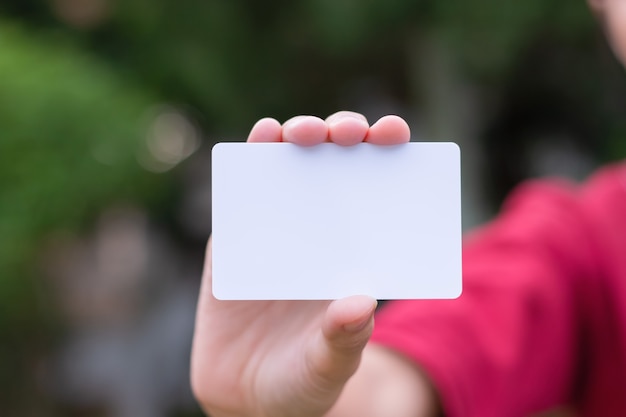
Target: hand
(285, 358)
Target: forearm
(386, 384)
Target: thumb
(334, 355)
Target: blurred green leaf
(70, 130)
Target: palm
(253, 363)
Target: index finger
(266, 130)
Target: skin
(301, 358)
(614, 15)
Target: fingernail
(290, 124)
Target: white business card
(330, 221)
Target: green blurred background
(109, 108)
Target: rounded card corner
(217, 147)
(455, 146)
(216, 292)
(458, 293)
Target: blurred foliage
(489, 36)
(214, 53)
(70, 130)
(236, 60)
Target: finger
(335, 354)
(347, 128)
(389, 130)
(206, 286)
(266, 130)
(305, 130)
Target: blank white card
(329, 221)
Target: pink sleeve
(508, 346)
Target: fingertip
(266, 130)
(347, 131)
(389, 130)
(350, 314)
(305, 130)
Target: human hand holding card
(328, 221)
(308, 219)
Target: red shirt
(542, 318)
